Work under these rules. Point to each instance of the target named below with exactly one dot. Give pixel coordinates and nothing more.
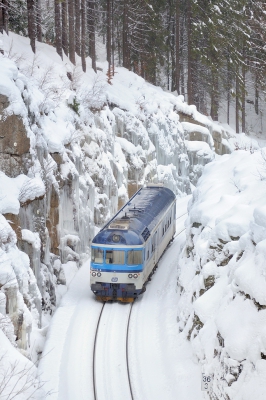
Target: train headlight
(99, 274)
(130, 275)
(135, 276)
(93, 273)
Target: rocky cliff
(72, 150)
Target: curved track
(111, 375)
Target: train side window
(134, 257)
(148, 255)
(109, 257)
(97, 255)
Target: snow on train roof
(134, 222)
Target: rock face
(14, 143)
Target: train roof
(137, 218)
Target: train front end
(116, 268)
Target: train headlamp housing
(135, 276)
(130, 276)
(116, 238)
(99, 274)
(93, 274)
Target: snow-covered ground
(222, 306)
(160, 361)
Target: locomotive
(125, 252)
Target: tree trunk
(173, 57)
(177, 47)
(1, 17)
(214, 96)
(32, 23)
(125, 36)
(118, 43)
(83, 34)
(108, 31)
(189, 60)
(228, 88)
(71, 25)
(58, 28)
(256, 94)
(64, 27)
(39, 21)
(91, 30)
(5, 15)
(182, 74)
(113, 39)
(77, 26)
(243, 108)
(168, 43)
(237, 102)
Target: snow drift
(222, 283)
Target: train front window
(115, 257)
(134, 257)
(96, 255)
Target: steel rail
(128, 371)
(181, 215)
(94, 353)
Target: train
(126, 251)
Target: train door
(155, 248)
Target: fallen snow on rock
(222, 280)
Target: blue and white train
(126, 251)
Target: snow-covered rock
(222, 281)
(72, 150)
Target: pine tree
(64, 27)
(71, 25)
(58, 27)
(32, 23)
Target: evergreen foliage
(204, 49)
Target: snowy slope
(222, 306)
(72, 150)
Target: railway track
(111, 374)
(111, 367)
(181, 216)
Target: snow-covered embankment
(222, 282)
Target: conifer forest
(211, 52)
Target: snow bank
(222, 281)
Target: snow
(198, 146)
(222, 276)
(31, 237)
(18, 190)
(109, 137)
(20, 374)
